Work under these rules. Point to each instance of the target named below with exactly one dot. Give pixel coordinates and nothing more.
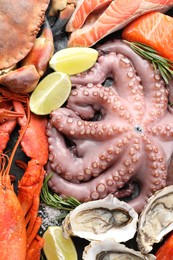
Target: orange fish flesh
(153, 29)
(82, 12)
(93, 21)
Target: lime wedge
(50, 93)
(73, 60)
(56, 247)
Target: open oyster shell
(108, 218)
(109, 249)
(156, 220)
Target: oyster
(108, 218)
(109, 249)
(156, 220)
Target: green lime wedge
(73, 60)
(50, 94)
(56, 247)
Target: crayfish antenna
(7, 95)
(4, 176)
(8, 114)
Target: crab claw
(22, 80)
(42, 51)
(33, 66)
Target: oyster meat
(156, 220)
(108, 218)
(109, 249)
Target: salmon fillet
(115, 16)
(83, 10)
(153, 29)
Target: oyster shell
(108, 218)
(156, 220)
(109, 249)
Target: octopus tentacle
(144, 68)
(153, 85)
(88, 166)
(157, 161)
(152, 176)
(148, 185)
(115, 65)
(157, 106)
(108, 182)
(163, 132)
(162, 128)
(169, 179)
(127, 191)
(88, 100)
(75, 127)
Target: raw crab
(20, 24)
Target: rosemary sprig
(162, 64)
(53, 200)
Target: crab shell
(109, 249)
(156, 220)
(107, 218)
(20, 23)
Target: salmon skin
(153, 29)
(93, 20)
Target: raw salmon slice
(153, 29)
(83, 10)
(116, 16)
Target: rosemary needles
(165, 66)
(56, 201)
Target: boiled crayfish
(19, 222)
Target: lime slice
(56, 247)
(50, 94)
(73, 60)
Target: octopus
(115, 132)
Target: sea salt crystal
(50, 217)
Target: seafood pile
(115, 132)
